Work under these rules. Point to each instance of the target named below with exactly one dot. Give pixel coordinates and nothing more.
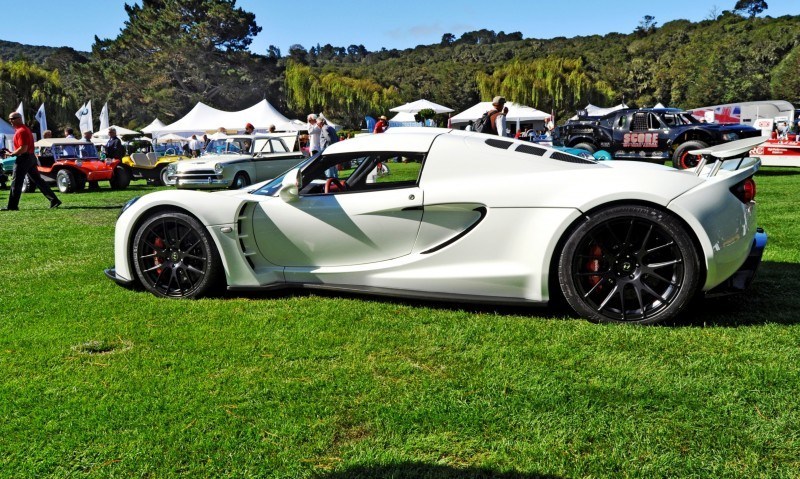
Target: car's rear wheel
(121, 178)
(28, 186)
(682, 160)
(66, 181)
(174, 256)
(586, 146)
(240, 181)
(629, 264)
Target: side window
(277, 146)
(262, 146)
(623, 120)
(335, 174)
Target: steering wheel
(337, 184)
(170, 152)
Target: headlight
(128, 204)
(730, 136)
(218, 168)
(172, 168)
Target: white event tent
(203, 118)
(423, 104)
(154, 126)
(592, 110)
(120, 132)
(516, 114)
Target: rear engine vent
(499, 143)
(531, 150)
(557, 155)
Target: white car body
(234, 161)
(485, 221)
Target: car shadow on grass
(771, 299)
(778, 172)
(417, 470)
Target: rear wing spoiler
(728, 153)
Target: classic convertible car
(234, 162)
(463, 216)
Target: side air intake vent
(503, 145)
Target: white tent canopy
(170, 137)
(416, 106)
(155, 125)
(592, 110)
(516, 113)
(203, 118)
(120, 132)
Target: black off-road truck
(648, 134)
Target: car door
(273, 158)
(375, 221)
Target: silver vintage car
(234, 161)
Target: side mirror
(290, 186)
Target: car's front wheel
(240, 181)
(174, 256)
(28, 186)
(633, 264)
(163, 176)
(66, 181)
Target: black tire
(240, 181)
(121, 179)
(28, 186)
(175, 257)
(629, 264)
(586, 146)
(65, 180)
(682, 160)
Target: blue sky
(391, 24)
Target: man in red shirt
(381, 126)
(25, 165)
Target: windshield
(87, 151)
(677, 119)
(168, 148)
(228, 146)
(271, 188)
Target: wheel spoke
(154, 268)
(191, 256)
(637, 289)
(663, 264)
(651, 292)
(659, 277)
(629, 233)
(647, 238)
(621, 294)
(671, 243)
(608, 298)
(594, 287)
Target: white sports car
(462, 216)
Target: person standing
(327, 137)
(313, 135)
(195, 145)
(25, 165)
(114, 148)
(498, 116)
(381, 125)
(249, 129)
(87, 136)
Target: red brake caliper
(593, 265)
(158, 243)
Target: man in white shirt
(313, 134)
(196, 146)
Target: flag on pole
(42, 119)
(449, 121)
(21, 113)
(84, 115)
(104, 117)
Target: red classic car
(71, 163)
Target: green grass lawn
(100, 381)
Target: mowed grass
(100, 381)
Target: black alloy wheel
(174, 256)
(631, 264)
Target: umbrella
(416, 106)
(120, 132)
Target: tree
(752, 7)
(447, 39)
(172, 54)
(21, 81)
(646, 25)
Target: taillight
(745, 191)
